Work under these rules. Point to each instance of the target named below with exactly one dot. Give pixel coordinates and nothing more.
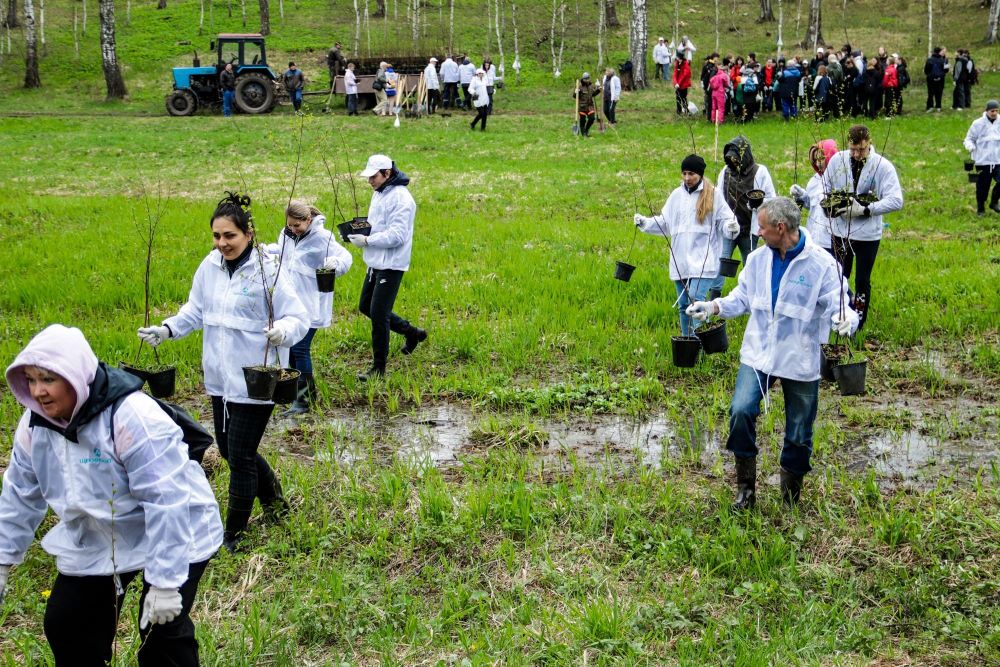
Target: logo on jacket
(802, 282)
(95, 458)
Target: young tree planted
(109, 52)
(31, 78)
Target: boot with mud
(746, 483)
(414, 338)
(791, 487)
(373, 373)
(305, 395)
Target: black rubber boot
(714, 294)
(373, 373)
(305, 394)
(791, 487)
(746, 483)
(414, 338)
(236, 522)
(276, 508)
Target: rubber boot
(713, 294)
(414, 338)
(746, 483)
(373, 373)
(305, 393)
(236, 522)
(276, 508)
(791, 487)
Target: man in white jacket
(466, 72)
(433, 85)
(983, 142)
(387, 250)
(794, 294)
(661, 56)
(611, 93)
(450, 77)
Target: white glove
(331, 263)
(271, 248)
(154, 335)
(797, 191)
(732, 229)
(640, 220)
(847, 325)
(969, 146)
(359, 240)
(162, 606)
(701, 310)
(275, 336)
(4, 571)
(856, 210)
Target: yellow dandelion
(46, 593)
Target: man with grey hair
(794, 294)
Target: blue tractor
(256, 83)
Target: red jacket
(682, 74)
(890, 79)
(769, 75)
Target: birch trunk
(451, 25)
(930, 27)
(109, 52)
(31, 78)
(41, 24)
(991, 25)
(601, 19)
(357, 27)
(716, 26)
(265, 17)
(814, 32)
(415, 30)
(517, 48)
(76, 35)
(243, 9)
(766, 12)
(637, 43)
(201, 16)
(496, 23)
(128, 12)
(83, 30)
(781, 25)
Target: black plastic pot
(973, 177)
(969, 165)
(728, 267)
(623, 271)
(829, 358)
(287, 386)
(713, 338)
(138, 372)
(357, 225)
(851, 377)
(325, 278)
(261, 381)
(162, 382)
(755, 198)
(684, 350)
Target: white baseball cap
(376, 163)
(434, 60)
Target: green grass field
(538, 484)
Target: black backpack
(193, 434)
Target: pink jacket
(720, 83)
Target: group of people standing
(586, 94)
(113, 465)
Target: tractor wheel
(181, 103)
(254, 93)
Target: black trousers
(609, 110)
(482, 113)
(845, 251)
(378, 294)
(239, 428)
(451, 95)
(961, 97)
(682, 100)
(987, 175)
(587, 119)
(81, 618)
(432, 99)
(468, 98)
(489, 91)
(935, 89)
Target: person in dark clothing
(227, 81)
(708, 70)
(821, 94)
(935, 69)
(849, 101)
(586, 93)
(789, 76)
(294, 81)
(903, 76)
(962, 75)
(612, 93)
(871, 89)
(335, 62)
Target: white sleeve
(766, 184)
(289, 313)
(341, 254)
(971, 137)
(723, 214)
(737, 302)
(22, 506)
(189, 317)
(890, 192)
(401, 211)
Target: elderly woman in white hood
(113, 468)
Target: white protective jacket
(817, 222)
(615, 86)
(233, 314)
(477, 90)
(983, 141)
(391, 214)
(695, 247)
(128, 500)
(431, 77)
(491, 75)
(784, 341)
(350, 83)
(301, 257)
(761, 181)
(449, 71)
(661, 54)
(877, 176)
(466, 73)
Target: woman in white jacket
(112, 467)
(696, 218)
(983, 142)
(812, 195)
(305, 245)
(480, 99)
(228, 302)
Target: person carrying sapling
(114, 470)
(696, 218)
(304, 246)
(794, 294)
(229, 302)
(811, 196)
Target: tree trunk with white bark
(265, 17)
(637, 43)
(991, 27)
(814, 31)
(31, 78)
(109, 52)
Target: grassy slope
(154, 40)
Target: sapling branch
(350, 170)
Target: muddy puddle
(445, 435)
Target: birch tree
(451, 25)
(41, 24)
(766, 12)
(265, 17)
(814, 31)
(716, 26)
(637, 43)
(109, 52)
(601, 20)
(357, 27)
(31, 78)
(991, 26)
(930, 26)
(500, 67)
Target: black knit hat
(694, 163)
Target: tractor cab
(256, 83)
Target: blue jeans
(801, 402)
(296, 96)
(788, 108)
(299, 356)
(227, 102)
(698, 288)
(745, 242)
(352, 104)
